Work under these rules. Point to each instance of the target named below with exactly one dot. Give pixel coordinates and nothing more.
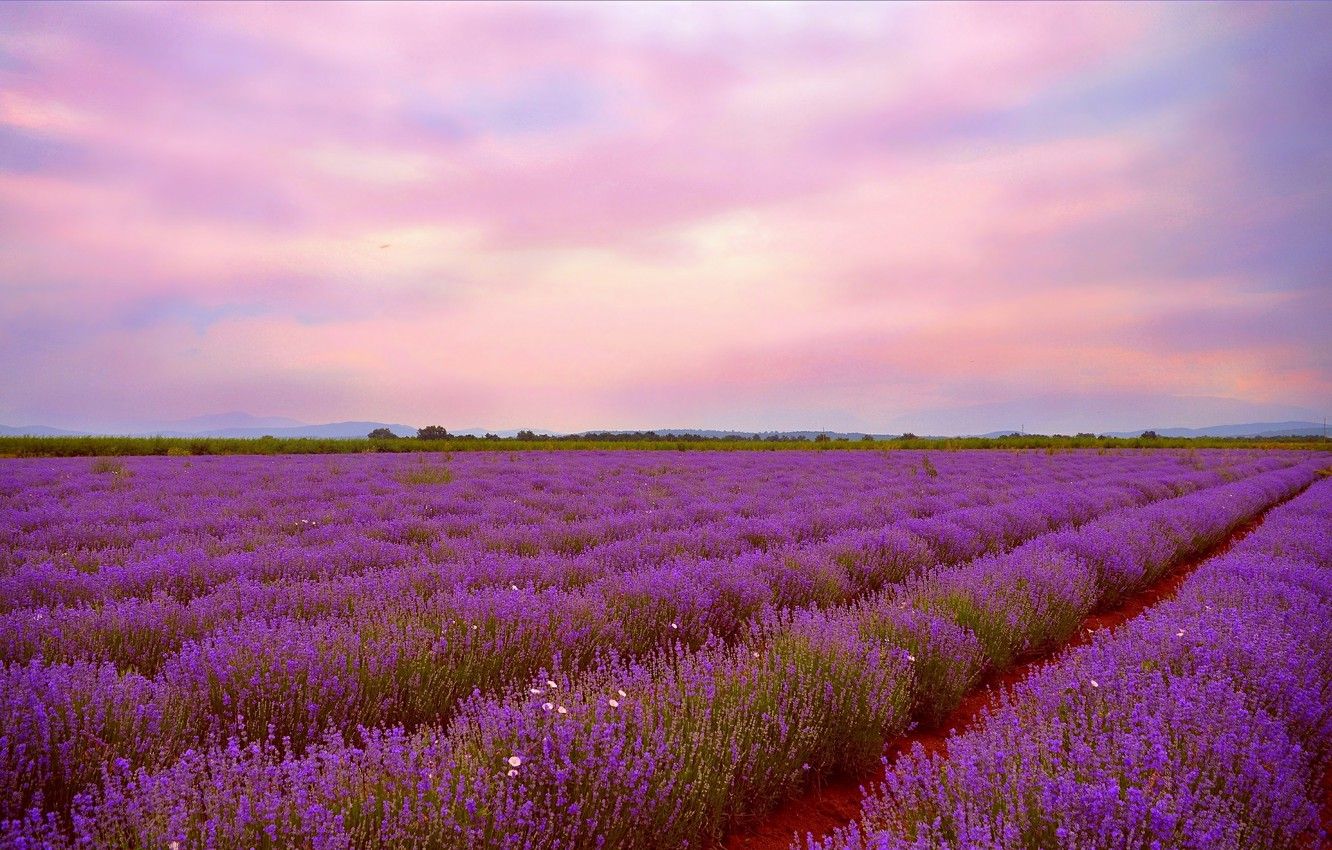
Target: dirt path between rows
(1327, 810)
(835, 803)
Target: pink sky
(860, 217)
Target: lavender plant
(1202, 724)
(356, 682)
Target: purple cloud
(630, 215)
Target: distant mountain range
(1252, 429)
(329, 429)
(744, 435)
(246, 425)
(222, 425)
(36, 431)
(1102, 413)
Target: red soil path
(1327, 809)
(836, 802)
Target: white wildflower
(548, 706)
(562, 710)
(514, 761)
(613, 703)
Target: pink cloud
(588, 205)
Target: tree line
(439, 432)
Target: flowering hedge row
(677, 745)
(1205, 723)
(144, 680)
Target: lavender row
(187, 526)
(162, 526)
(304, 677)
(1206, 723)
(662, 753)
(698, 596)
(403, 663)
(163, 557)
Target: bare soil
(1326, 843)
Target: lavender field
(653, 650)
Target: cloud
(24, 151)
(584, 215)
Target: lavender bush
(356, 655)
(1205, 723)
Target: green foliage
(432, 432)
(425, 474)
(942, 677)
(108, 466)
(382, 434)
(991, 627)
(527, 440)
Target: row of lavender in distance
(295, 679)
(186, 526)
(163, 622)
(1206, 723)
(646, 754)
(247, 586)
(698, 595)
(73, 537)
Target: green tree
(382, 434)
(432, 432)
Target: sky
(940, 218)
